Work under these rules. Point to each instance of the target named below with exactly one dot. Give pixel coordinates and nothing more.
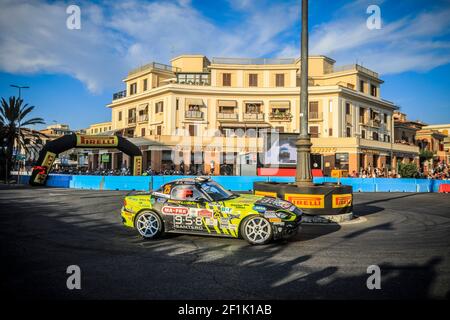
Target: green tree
(426, 155)
(11, 113)
(407, 170)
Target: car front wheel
(148, 224)
(257, 230)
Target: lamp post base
(303, 176)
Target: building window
(143, 132)
(132, 115)
(362, 115)
(192, 130)
(348, 132)
(361, 85)
(314, 131)
(347, 108)
(314, 110)
(177, 104)
(341, 161)
(363, 134)
(158, 130)
(159, 107)
(252, 108)
(226, 79)
(144, 85)
(279, 80)
(133, 88)
(253, 80)
(330, 132)
(375, 136)
(373, 90)
(385, 118)
(226, 109)
(120, 115)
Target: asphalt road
(43, 231)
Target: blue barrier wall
(235, 183)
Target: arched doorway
(53, 148)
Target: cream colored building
(99, 128)
(350, 123)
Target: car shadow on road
(39, 241)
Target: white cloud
(410, 43)
(117, 36)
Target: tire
(257, 230)
(154, 227)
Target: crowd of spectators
(441, 171)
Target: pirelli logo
(137, 169)
(306, 200)
(97, 141)
(342, 200)
(265, 193)
(49, 158)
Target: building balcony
(131, 121)
(351, 67)
(120, 95)
(227, 116)
(372, 123)
(254, 116)
(280, 116)
(193, 115)
(156, 66)
(348, 119)
(143, 118)
(315, 116)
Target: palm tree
(11, 114)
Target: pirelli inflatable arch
(53, 148)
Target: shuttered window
(253, 80)
(279, 80)
(226, 79)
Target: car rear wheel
(257, 230)
(148, 224)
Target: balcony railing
(227, 116)
(193, 114)
(315, 115)
(120, 95)
(154, 65)
(353, 67)
(348, 119)
(131, 120)
(143, 118)
(375, 123)
(256, 61)
(280, 116)
(254, 116)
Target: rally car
(202, 206)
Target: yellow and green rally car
(202, 206)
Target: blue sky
(73, 73)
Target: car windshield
(216, 191)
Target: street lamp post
(18, 136)
(303, 172)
